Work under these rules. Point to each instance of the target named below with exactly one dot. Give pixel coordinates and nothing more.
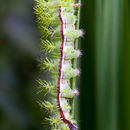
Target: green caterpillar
(56, 22)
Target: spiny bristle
(47, 46)
(69, 72)
(47, 64)
(46, 104)
(44, 86)
(75, 92)
(71, 53)
(54, 120)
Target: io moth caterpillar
(56, 22)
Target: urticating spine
(56, 22)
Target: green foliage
(105, 79)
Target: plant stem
(74, 61)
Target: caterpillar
(56, 21)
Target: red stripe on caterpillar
(59, 94)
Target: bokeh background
(104, 83)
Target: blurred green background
(104, 83)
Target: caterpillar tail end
(72, 126)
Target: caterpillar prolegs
(56, 20)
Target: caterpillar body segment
(56, 21)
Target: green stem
(74, 61)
